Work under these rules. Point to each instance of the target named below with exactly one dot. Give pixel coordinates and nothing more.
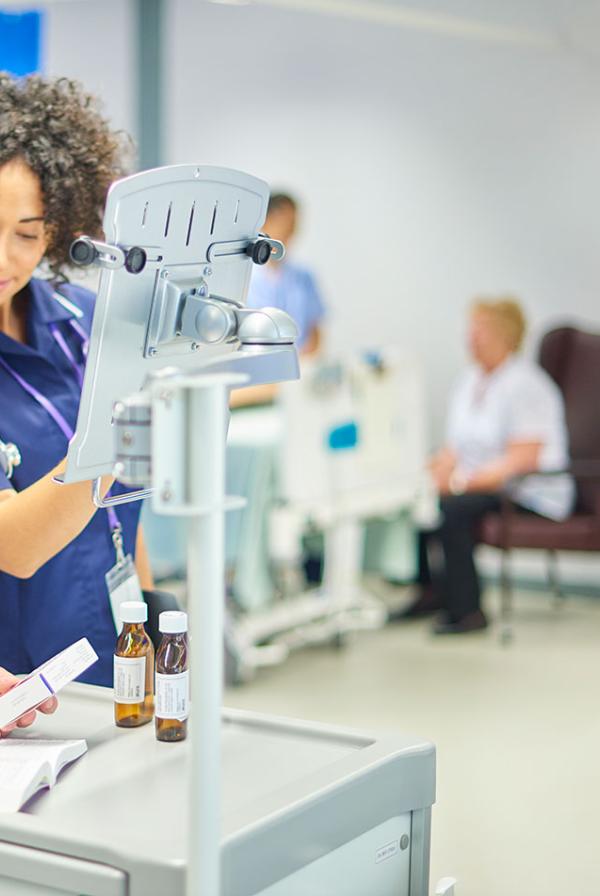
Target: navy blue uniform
(67, 598)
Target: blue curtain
(20, 42)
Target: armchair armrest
(581, 469)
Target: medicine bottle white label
(130, 679)
(172, 696)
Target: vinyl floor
(517, 732)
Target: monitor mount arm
(183, 306)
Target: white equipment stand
(175, 270)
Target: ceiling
(571, 24)
(545, 23)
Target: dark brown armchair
(572, 358)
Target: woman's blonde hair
(508, 317)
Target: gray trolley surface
(308, 810)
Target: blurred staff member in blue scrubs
(57, 159)
(286, 285)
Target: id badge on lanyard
(122, 580)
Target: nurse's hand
(7, 681)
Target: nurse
(57, 160)
(286, 285)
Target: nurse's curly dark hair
(58, 131)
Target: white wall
(95, 43)
(431, 168)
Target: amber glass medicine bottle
(172, 677)
(133, 668)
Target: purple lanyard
(78, 369)
(49, 407)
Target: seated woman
(506, 419)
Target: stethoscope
(10, 457)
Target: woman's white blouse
(517, 402)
